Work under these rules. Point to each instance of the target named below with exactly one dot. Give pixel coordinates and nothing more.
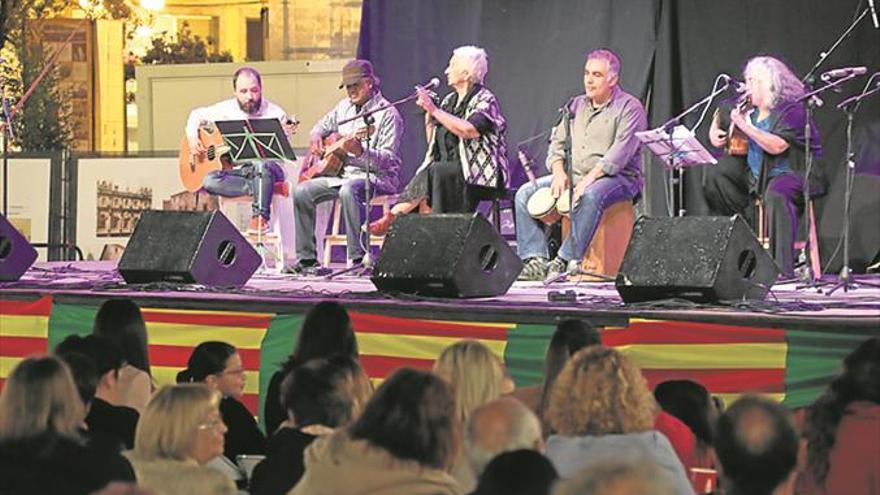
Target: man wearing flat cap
(377, 145)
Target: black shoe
(304, 267)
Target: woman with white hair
(770, 162)
(466, 158)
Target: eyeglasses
(213, 424)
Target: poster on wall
(112, 193)
(28, 200)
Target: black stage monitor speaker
(188, 247)
(16, 253)
(446, 256)
(703, 259)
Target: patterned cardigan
(483, 157)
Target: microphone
(873, 14)
(433, 83)
(843, 72)
(738, 86)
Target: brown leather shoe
(381, 226)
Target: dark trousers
(728, 187)
(449, 193)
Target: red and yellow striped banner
(24, 330)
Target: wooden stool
(812, 240)
(336, 238)
(605, 252)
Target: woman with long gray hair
(765, 156)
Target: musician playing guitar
(772, 165)
(356, 146)
(244, 180)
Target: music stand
(678, 149)
(256, 140)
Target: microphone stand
(668, 127)
(365, 266)
(574, 265)
(850, 106)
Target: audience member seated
(571, 335)
(502, 425)
(476, 376)
(517, 472)
(403, 444)
(219, 365)
(757, 446)
(104, 416)
(614, 476)
(600, 406)
(843, 429)
(326, 330)
(691, 403)
(181, 431)
(42, 449)
(120, 320)
(319, 396)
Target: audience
(757, 446)
(616, 476)
(104, 416)
(319, 396)
(325, 331)
(120, 320)
(180, 431)
(403, 443)
(502, 425)
(42, 447)
(476, 376)
(517, 472)
(692, 404)
(219, 365)
(843, 429)
(600, 406)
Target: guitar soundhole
(211, 153)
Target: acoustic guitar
(336, 148)
(194, 167)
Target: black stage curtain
(671, 51)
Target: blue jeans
(245, 181)
(306, 197)
(530, 238)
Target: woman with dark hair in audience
(325, 331)
(319, 396)
(691, 403)
(571, 335)
(219, 365)
(404, 443)
(180, 432)
(42, 448)
(843, 429)
(600, 406)
(120, 320)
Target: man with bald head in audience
(757, 446)
(502, 425)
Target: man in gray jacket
(377, 145)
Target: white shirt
(229, 110)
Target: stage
(787, 346)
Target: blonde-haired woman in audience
(600, 406)
(42, 446)
(477, 376)
(179, 432)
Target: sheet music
(682, 148)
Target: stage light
(154, 5)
